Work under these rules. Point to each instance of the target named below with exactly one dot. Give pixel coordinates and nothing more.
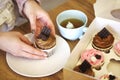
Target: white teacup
(72, 33)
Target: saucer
(41, 68)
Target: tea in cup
(72, 24)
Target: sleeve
(21, 3)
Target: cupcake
(45, 41)
(116, 48)
(94, 57)
(85, 68)
(108, 77)
(103, 40)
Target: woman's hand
(18, 45)
(38, 17)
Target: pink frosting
(117, 47)
(89, 54)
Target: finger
(38, 27)
(51, 25)
(30, 49)
(52, 28)
(31, 56)
(47, 22)
(32, 20)
(24, 39)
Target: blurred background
(50, 4)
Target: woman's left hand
(18, 45)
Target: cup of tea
(72, 24)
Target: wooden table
(84, 5)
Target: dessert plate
(41, 68)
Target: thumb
(32, 20)
(24, 39)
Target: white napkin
(109, 9)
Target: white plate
(41, 68)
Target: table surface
(84, 5)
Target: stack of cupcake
(93, 58)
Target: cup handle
(84, 30)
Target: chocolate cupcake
(85, 68)
(45, 40)
(94, 57)
(103, 40)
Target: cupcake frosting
(103, 39)
(103, 43)
(94, 57)
(49, 43)
(45, 40)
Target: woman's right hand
(38, 17)
(18, 45)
